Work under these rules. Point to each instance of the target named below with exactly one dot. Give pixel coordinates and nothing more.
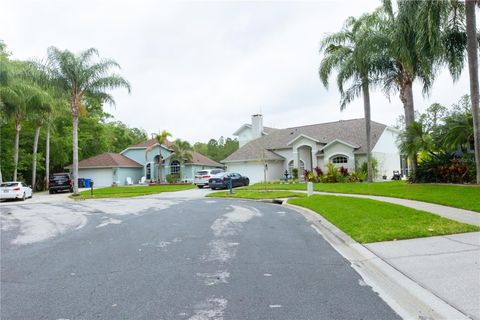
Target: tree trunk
(368, 127)
(34, 162)
(75, 154)
(406, 95)
(47, 153)
(18, 127)
(472, 54)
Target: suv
(202, 176)
(60, 182)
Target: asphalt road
(172, 258)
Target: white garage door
(102, 177)
(252, 170)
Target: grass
(253, 194)
(368, 220)
(130, 191)
(464, 197)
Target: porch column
(295, 158)
(314, 158)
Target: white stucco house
(269, 151)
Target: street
(177, 256)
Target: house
(269, 153)
(136, 162)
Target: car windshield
(9, 184)
(201, 173)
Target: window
(148, 171)
(175, 167)
(300, 169)
(339, 159)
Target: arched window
(175, 167)
(148, 171)
(339, 159)
(290, 167)
(300, 169)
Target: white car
(202, 176)
(15, 190)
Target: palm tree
(161, 140)
(416, 138)
(472, 53)
(82, 78)
(353, 52)
(19, 98)
(182, 151)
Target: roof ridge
(330, 122)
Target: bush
(332, 175)
(318, 171)
(445, 168)
(364, 168)
(295, 173)
(173, 177)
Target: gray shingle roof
(108, 160)
(351, 131)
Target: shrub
(318, 171)
(309, 176)
(332, 174)
(445, 168)
(172, 177)
(364, 168)
(295, 173)
(344, 171)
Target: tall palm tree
(161, 138)
(353, 52)
(19, 98)
(182, 151)
(82, 77)
(472, 53)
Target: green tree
(353, 52)
(161, 138)
(182, 151)
(82, 78)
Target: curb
(406, 297)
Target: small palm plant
(182, 151)
(161, 138)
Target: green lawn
(130, 191)
(368, 220)
(247, 194)
(465, 197)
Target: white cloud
(199, 69)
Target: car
(222, 180)
(15, 190)
(202, 176)
(60, 182)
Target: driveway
(175, 256)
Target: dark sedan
(221, 180)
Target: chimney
(257, 126)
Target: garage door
(253, 170)
(101, 177)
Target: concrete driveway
(174, 256)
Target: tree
(82, 78)
(353, 53)
(472, 54)
(161, 140)
(182, 151)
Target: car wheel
(50, 191)
(23, 197)
(213, 188)
(199, 186)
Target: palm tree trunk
(34, 162)
(18, 127)
(368, 128)
(472, 51)
(47, 153)
(406, 95)
(75, 153)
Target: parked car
(60, 182)
(15, 190)
(202, 176)
(221, 180)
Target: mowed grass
(368, 220)
(253, 194)
(464, 197)
(130, 191)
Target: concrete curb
(402, 294)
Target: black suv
(60, 182)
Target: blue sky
(200, 69)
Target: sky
(200, 69)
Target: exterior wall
(254, 170)
(244, 136)
(138, 155)
(387, 154)
(359, 159)
(305, 154)
(122, 173)
(276, 170)
(102, 177)
(340, 149)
